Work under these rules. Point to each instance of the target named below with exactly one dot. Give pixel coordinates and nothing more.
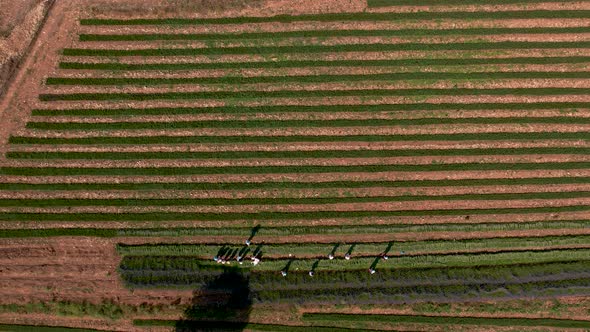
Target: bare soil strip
(290, 177)
(317, 25)
(482, 54)
(421, 160)
(312, 101)
(342, 207)
(405, 220)
(357, 238)
(336, 86)
(483, 8)
(310, 71)
(305, 146)
(329, 131)
(154, 45)
(293, 193)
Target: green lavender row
(320, 63)
(246, 50)
(288, 200)
(245, 216)
(354, 17)
(296, 230)
(330, 33)
(161, 171)
(291, 185)
(251, 94)
(562, 106)
(316, 78)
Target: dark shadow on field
(224, 304)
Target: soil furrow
(304, 146)
(290, 177)
(328, 131)
(317, 71)
(317, 25)
(292, 193)
(358, 87)
(299, 208)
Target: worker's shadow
(224, 304)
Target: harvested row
(337, 318)
(366, 16)
(345, 108)
(321, 251)
(194, 201)
(317, 78)
(326, 48)
(421, 62)
(269, 215)
(351, 185)
(330, 33)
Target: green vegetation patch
(366, 16)
(319, 63)
(444, 320)
(249, 94)
(246, 50)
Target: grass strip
(39, 328)
(315, 78)
(295, 230)
(253, 94)
(291, 185)
(307, 215)
(287, 200)
(357, 229)
(210, 325)
(376, 47)
(50, 232)
(153, 272)
(366, 16)
(329, 33)
(293, 154)
(320, 63)
(123, 125)
(298, 138)
(180, 263)
(445, 320)
(565, 107)
(61, 171)
(362, 249)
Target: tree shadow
(254, 231)
(223, 304)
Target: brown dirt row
(316, 25)
(290, 177)
(381, 115)
(484, 8)
(74, 73)
(336, 131)
(358, 238)
(425, 205)
(503, 54)
(196, 9)
(421, 220)
(16, 271)
(329, 41)
(304, 146)
(425, 160)
(293, 193)
(319, 101)
(122, 325)
(336, 86)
